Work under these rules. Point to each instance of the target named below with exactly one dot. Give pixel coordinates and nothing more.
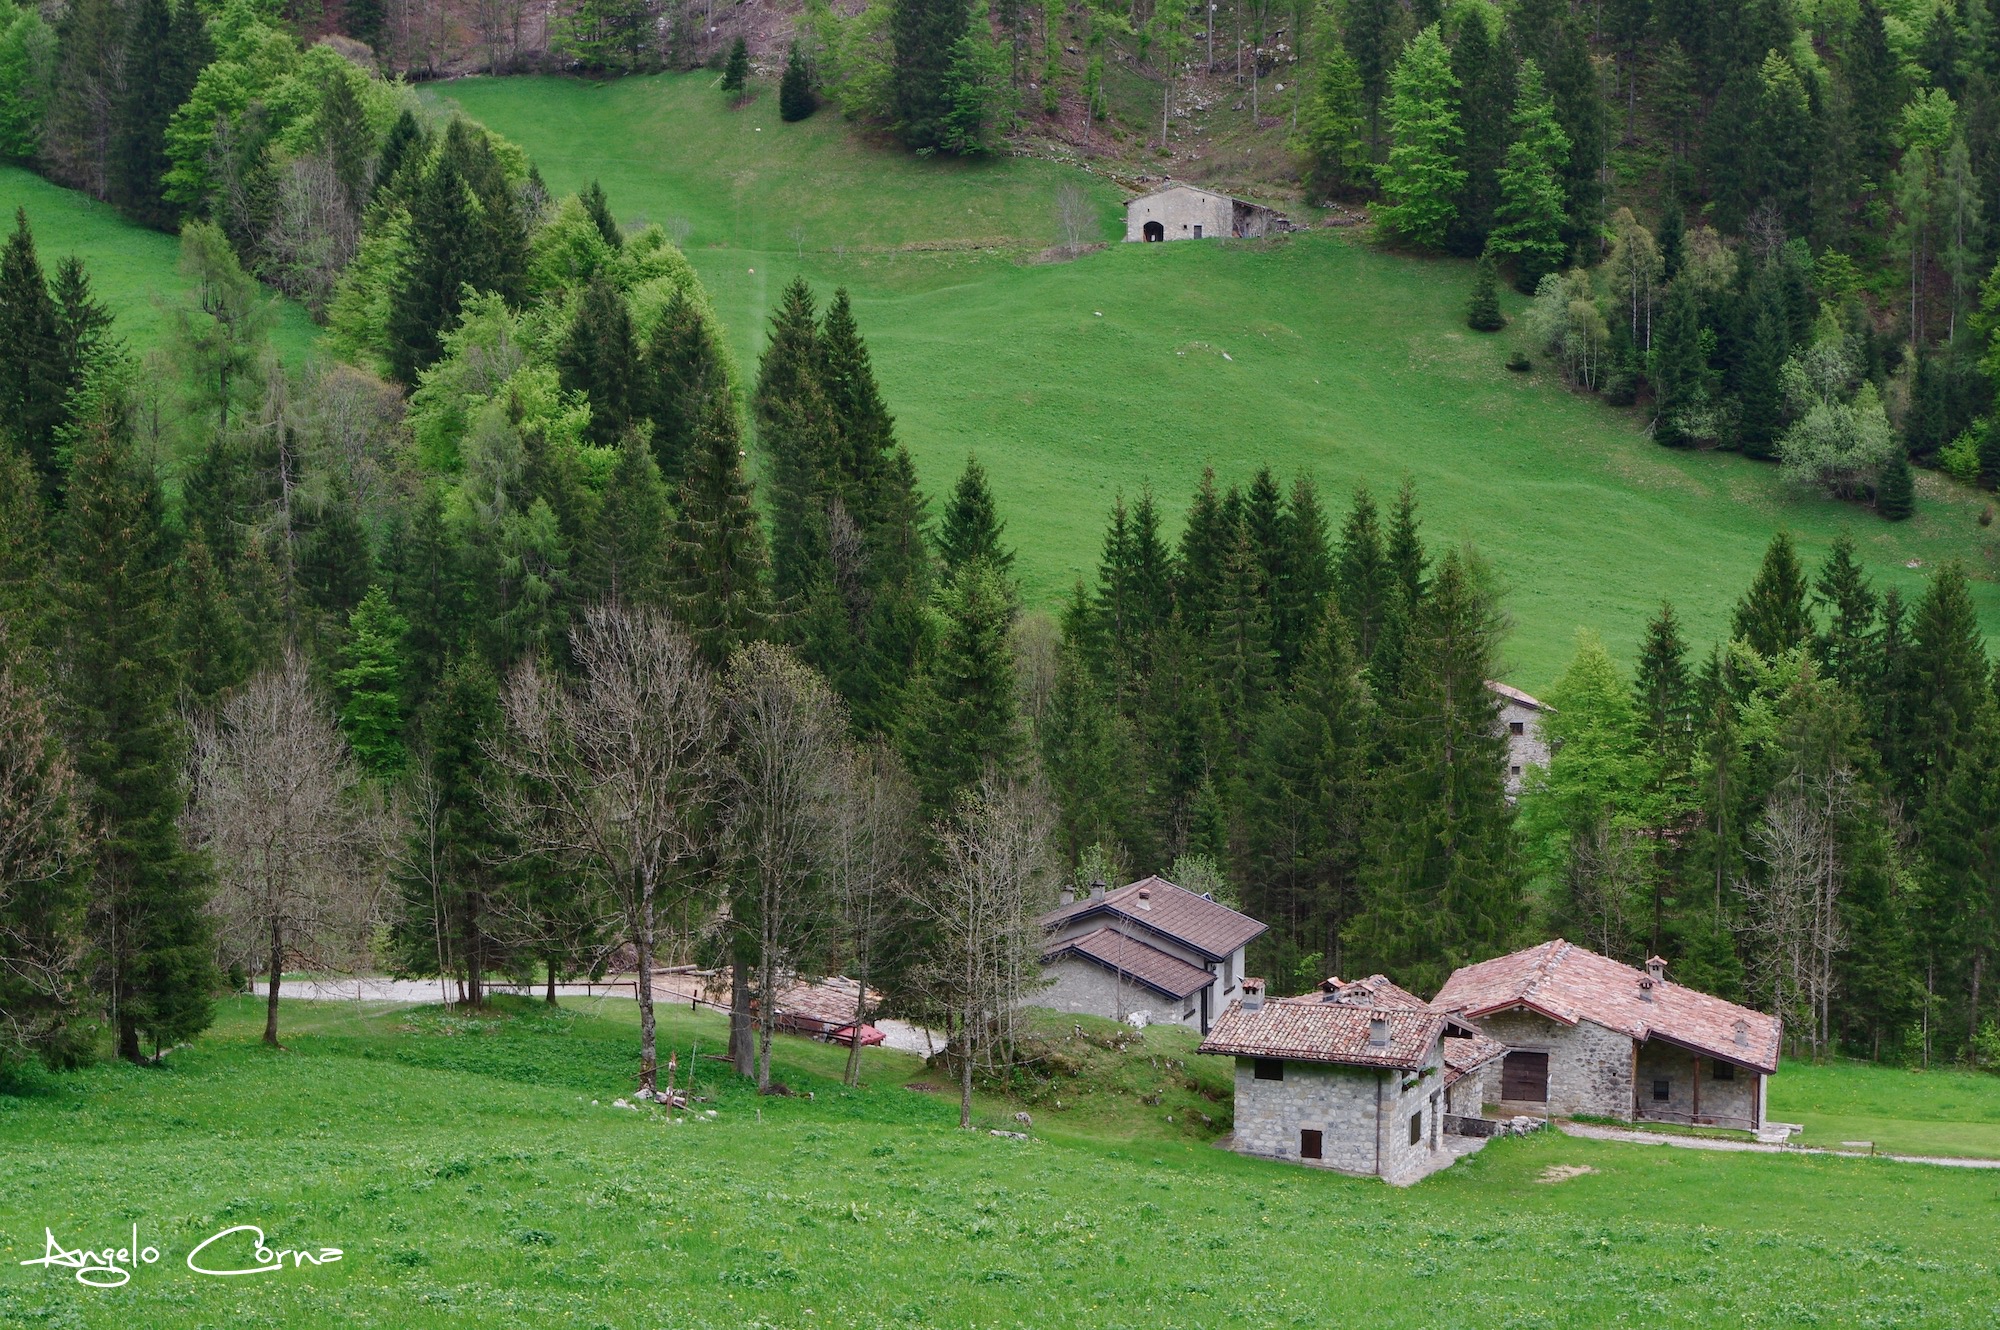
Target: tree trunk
(1972, 1022)
(128, 1042)
(475, 951)
(742, 1046)
(649, 1055)
(277, 969)
(965, 1075)
(852, 1076)
(551, 963)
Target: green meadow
(474, 1173)
(134, 270)
(1140, 365)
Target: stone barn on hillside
(1521, 721)
(1586, 1034)
(1182, 212)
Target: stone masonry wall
(1342, 1104)
(1731, 1103)
(1590, 1067)
(1091, 990)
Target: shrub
(1959, 459)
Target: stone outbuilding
(1521, 723)
(1181, 212)
(1151, 953)
(1333, 1080)
(1586, 1034)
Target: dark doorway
(1524, 1078)
(1309, 1144)
(1153, 231)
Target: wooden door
(1524, 1078)
(1309, 1144)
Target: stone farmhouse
(1354, 1078)
(1521, 719)
(1586, 1034)
(1151, 953)
(1181, 212)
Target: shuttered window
(1417, 1127)
(1309, 1144)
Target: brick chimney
(1253, 995)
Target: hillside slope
(1142, 364)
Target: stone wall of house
(1730, 1103)
(1089, 989)
(1362, 1114)
(1179, 212)
(1590, 1067)
(1526, 749)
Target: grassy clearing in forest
(1946, 1111)
(133, 270)
(1138, 364)
(468, 1176)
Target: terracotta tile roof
(1325, 1032)
(1464, 1056)
(1197, 922)
(1136, 961)
(1374, 991)
(830, 999)
(1568, 983)
(1512, 694)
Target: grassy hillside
(133, 269)
(476, 1174)
(1142, 364)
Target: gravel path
(1590, 1132)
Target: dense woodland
(480, 653)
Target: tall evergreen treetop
(1772, 615)
(970, 528)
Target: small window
(1517, 727)
(1662, 1091)
(1724, 1071)
(1269, 1069)
(1514, 771)
(1417, 1127)
(1309, 1144)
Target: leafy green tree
(220, 334)
(148, 894)
(796, 99)
(1482, 310)
(27, 73)
(736, 71)
(960, 720)
(1529, 221)
(978, 91)
(1421, 181)
(371, 683)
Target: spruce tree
(599, 209)
(1362, 578)
(1895, 491)
(923, 36)
(1421, 180)
(1961, 837)
(736, 72)
(210, 638)
(1760, 397)
(1482, 311)
(795, 95)
(1240, 654)
(796, 425)
(715, 553)
(1663, 694)
(858, 466)
(1680, 370)
(960, 719)
(371, 684)
(1086, 751)
(33, 395)
(402, 145)
(422, 562)
(1772, 615)
(148, 894)
(139, 159)
(424, 299)
(1302, 580)
(1440, 886)
(624, 562)
(682, 368)
(1530, 219)
(1404, 549)
(1333, 127)
(971, 528)
(1847, 648)
(600, 358)
(348, 140)
(1946, 679)
(1486, 80)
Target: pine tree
(1947, 679)
(681, 370)
(600, 358)
(1663, 693)
(1760, 396)
(971, 528)
(1363, 582)
(1240, 655)
(1680, 371)
(139, 154)
(370, 680)
(1482, 311)
(599, 208)
(624, 562)
(403, 145)
(1961, 836)
(795, 94)
(1529, 222)
(210, 637)
(1420, 180)
(1370, 36)
(736, 73)
(148, 894)
(333, 565)
(1404, 550)
(858, 467)
(715, 551)
(1085, 747)
(1772, 615)
(422, 563)
(32, 391)
(1486, 80)
(348, 139)
(796, 426)
(1440, 886)
(1302, 577)
(1895, 491)
(960, 719)
(924, 35)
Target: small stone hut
(1587, 1034)
(1182, 212)
(1521, 723)
(1150, 952)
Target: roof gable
(1569, 983)
(1326, 1032)
(1196, 922)
(1130, 958)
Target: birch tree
(616, 775)
(280, 806)
(1795, 910)
(787, 731)
(995, 873)
(869, 864)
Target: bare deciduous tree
(869, 865)
(1073, 216)
(314, 230)
(1795, 909)
(789, 734)
(279, 805)
(995, 875)
(617, 776)
(39, 848)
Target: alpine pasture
(475, 1172)
(1139, 365)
